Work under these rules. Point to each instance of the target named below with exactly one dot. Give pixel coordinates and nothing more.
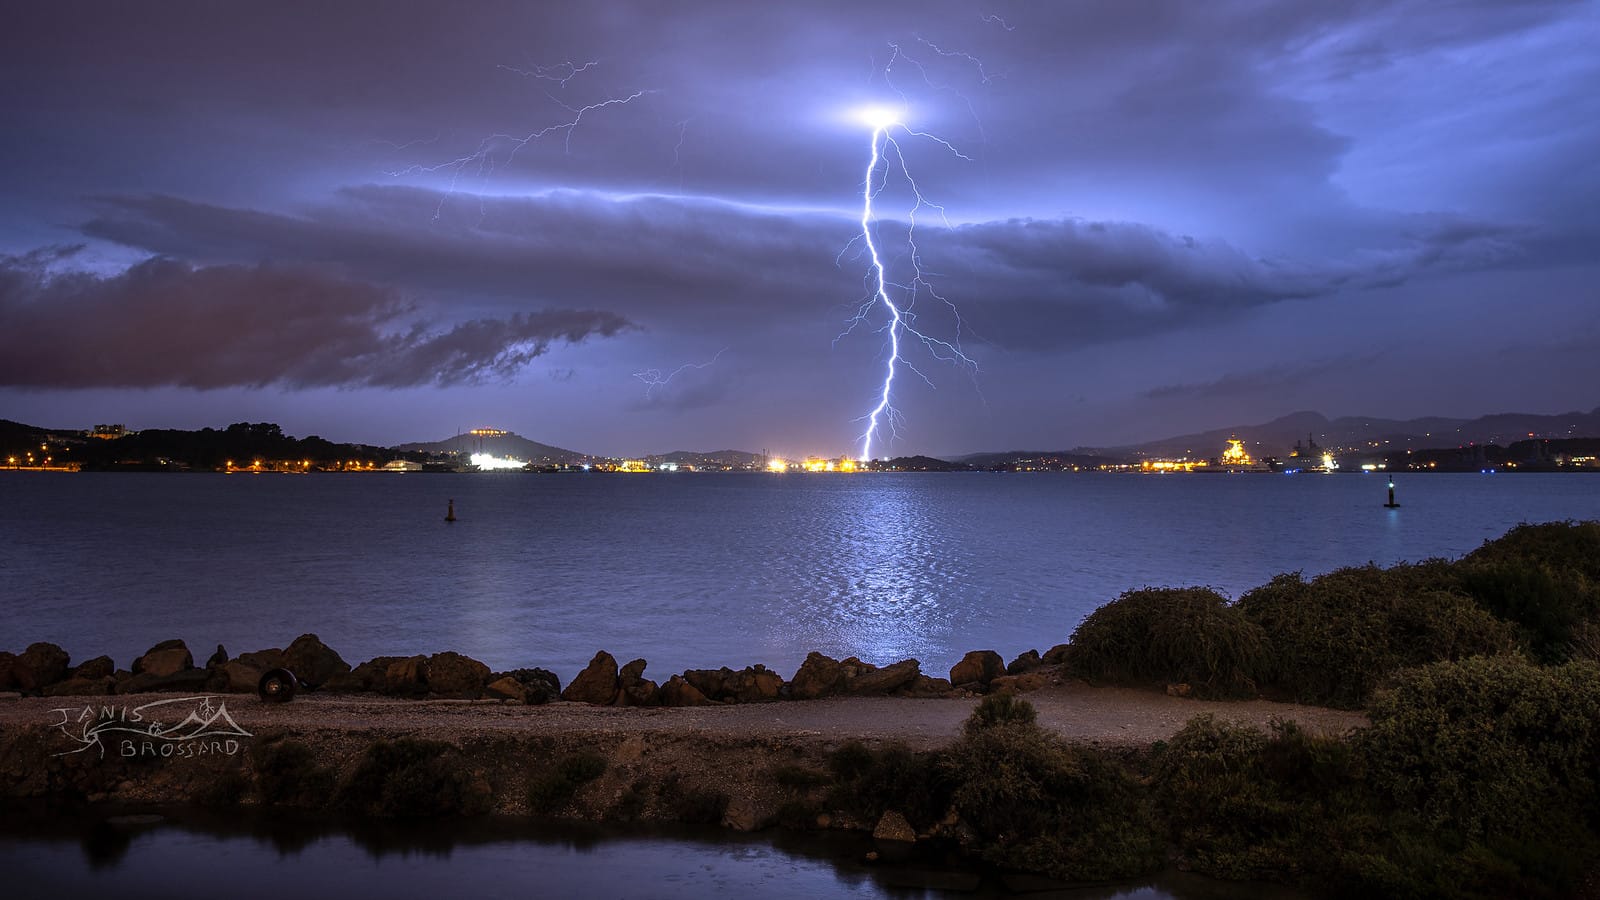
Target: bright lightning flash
(885, 121)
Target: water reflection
(243, 854)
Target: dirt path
(1101, 715)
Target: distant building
(402, 465)
(109, 432)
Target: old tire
(277, 686)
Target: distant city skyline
(1162, 218)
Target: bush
(287, 775)
(1488, 747)
(1335, 639)
(1188, 635)
(693, 806)
(1545, 579)
(409, 778)
(869, 783)
(549, 791)
(1247, 805)
(1037, 804)
(1000, 709)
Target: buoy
(450, 514)
(1391, 504)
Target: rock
(752, 684)
(99, 667)
(40, 666)
(634, 689)
(597, 683)
(892, 826)
(1025, 662)
(217, 658)
(450, 674)
(407, 677)
(315, 663)
(184, 680)
(971, 687)
(8, 668)
(371, 675)
(1056, 655)
(76, 687)
(541, 685)
(709, 681)
(886, 680)
(507, 688)
(927, 686)
(165, 658)
(1179, 690)
(677, 692)
(981, 666)
(819, 676)
(1017, 684)
(242, 677)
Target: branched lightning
(653, 378)
(996, 20)
(886, 158)
(498, 150)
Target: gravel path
(1101, 715)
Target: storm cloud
(167, 323)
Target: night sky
(1171, 216)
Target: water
(244, 856)
(685, 570)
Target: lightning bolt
(653, 378)
(884, 148)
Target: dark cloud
(1021, 284)
(164, 322)
(1237, 384)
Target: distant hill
(507, 444)
(1054, 458)
(1277, 437)
(736, 458)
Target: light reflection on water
(688, 570)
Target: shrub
(1037, 804)
(1000, 709)
(799, 777)
(1488, 747)
(1186, 635)
(551, 790)
(693, 806)
(287, 775)
(869, 783)
(1545, 578)
(411, 777)
(1335, 639)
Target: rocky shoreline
(44, 669)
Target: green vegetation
(1188, 635)
(549, 791)
(287, 774)
(410, 777)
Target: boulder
(1025, 662)
(452, 675)
(1017, 684)
(1179, 689)
(752, 684)
(927, 686)
(313, 662)
(507, 688)
(709, 682)
(82, 686)
(597, 683)
(99, 667)
(217, 658)
(678, 692)
(40, 666)
(1056, 655)
(819, 676)
(886, 680)
(634, 689)
(407, 676)
(242, 678)
(371, 675)
(892, 826)
(8, 671)
(188, 680)
(980, 666)
(165, 658)
(540, 685)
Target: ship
(1237, 459)
(1308, 457)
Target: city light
(488, 463)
